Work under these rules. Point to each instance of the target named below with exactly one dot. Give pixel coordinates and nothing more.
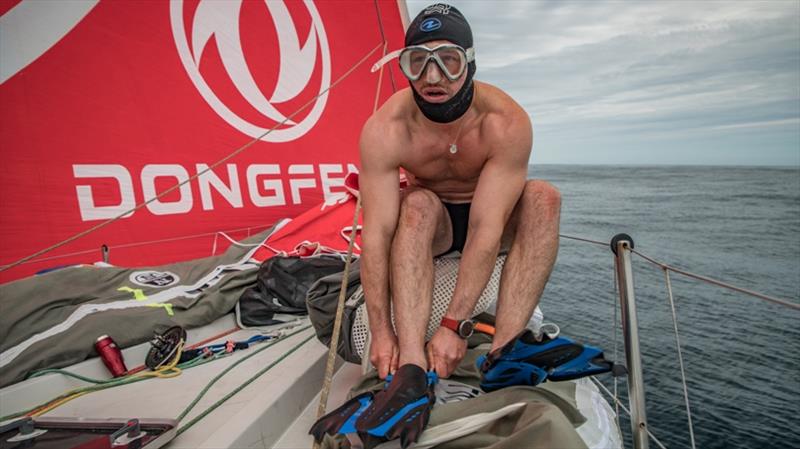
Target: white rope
(334, 343)
(143, 243)
(680, 357)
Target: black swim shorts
(459, 218)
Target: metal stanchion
(621, 245)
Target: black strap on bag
(282, 286)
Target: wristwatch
(463, 328)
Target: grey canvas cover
(545, 416)
(52, 320)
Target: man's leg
(423, 229)
(533, 236)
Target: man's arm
(380, 196)
(499, 188)
(500, 185)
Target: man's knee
(542, 196)
(420, 207)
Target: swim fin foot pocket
(401, 410)
(527, 361)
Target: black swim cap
(439, 22)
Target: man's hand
(445, 351)
(383, 353)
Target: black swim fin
(343, 419)
(400, 411)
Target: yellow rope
(165, 372)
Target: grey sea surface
(740, 225)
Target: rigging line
(680, 357)
(380, 78)
(646, 428)
(581, 239)
(233, 365)
(709, 280)
(198, 174)
(337, 322)
(147, 242)
(242, 386)
(385, 42)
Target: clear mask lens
(452, 61)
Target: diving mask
(451, 59)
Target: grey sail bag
(322, 299)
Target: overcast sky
(653, 82)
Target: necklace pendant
(453, 148)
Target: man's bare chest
(431, 158)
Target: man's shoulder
(386, 131)
(497, 103)
(390, 120)
(502, 114)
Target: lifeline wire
(195, 176)
(666, 269)
(781, 302)
(680, 356)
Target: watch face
(466, 328)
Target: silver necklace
(453, 146)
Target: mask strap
(470, 53)
(389, 56)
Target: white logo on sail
(220, 19)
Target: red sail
(107, 105)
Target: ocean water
(740, 225)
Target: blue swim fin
(401, 410)
(343, 419)
(527, 361)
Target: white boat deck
(255, 417)
(275, 410)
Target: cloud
(686, 74)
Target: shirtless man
(465, 147)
